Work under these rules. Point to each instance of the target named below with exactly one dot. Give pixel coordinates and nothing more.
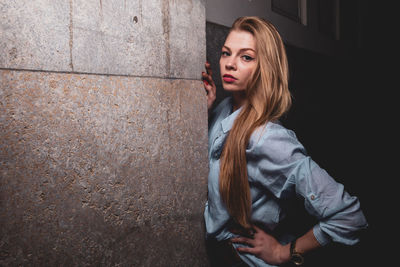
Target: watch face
(297, 259)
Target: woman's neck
(239, 98)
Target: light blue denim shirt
(279, 170)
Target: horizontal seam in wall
(101, 74)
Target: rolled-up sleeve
(285, 169)
(339, 214)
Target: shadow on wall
(215, 39)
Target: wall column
(103, 143)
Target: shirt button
(312, 197)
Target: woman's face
(238, 60)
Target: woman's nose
(230, 65)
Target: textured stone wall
(103, 142)
(154, 38)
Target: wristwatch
(295, 256)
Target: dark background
(343, 113)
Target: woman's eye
(224, 53)
(247, 58)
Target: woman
(258, 168)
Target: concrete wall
(103, 142)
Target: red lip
(229, 78)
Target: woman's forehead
(240, 39)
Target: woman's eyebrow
(240, 50)
(226, 47)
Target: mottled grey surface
(103, 143)
(187, 38)
(101, 170)
(35, 34)
(156, 38)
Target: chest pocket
(217, 146)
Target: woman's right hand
(209, 85)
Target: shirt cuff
(321, 237)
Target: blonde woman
(258, 168)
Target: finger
(257, 229)
(207, 79)
(235, 231)
(208, 68)
(207, 85)
(205, 76)
(242, 240)
(209, 89)
(246, 250)
(209, 71)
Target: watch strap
(295, 257)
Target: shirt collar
(227, 123)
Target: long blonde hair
(267, 99)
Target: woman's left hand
(264, 246)
(209, 85)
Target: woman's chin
(231, 88)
